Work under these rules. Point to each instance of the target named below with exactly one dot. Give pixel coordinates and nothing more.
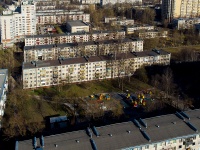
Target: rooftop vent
(180, 116)
(185, 115)
(77, 141)
(110, 135)
(56, 145)
(174, 122)
(129, 131)
(157, 126)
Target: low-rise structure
(105, 2)
(185, 23)
(71, 50)
(166, 132)
(3, 91)
(59, 16)
(119, 21)
(151, 34)
(34, 40)
(77, 26)
(136, 27)
(72, 70)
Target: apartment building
(185, 23)
(179, 131)
(152, 34)
(77, 26)
(72, 70)
(71, 50)
(132, 29)
(172, 9)
(59, 16)
(119, 21)
(105, 2)
(3, 91)
(14, 25)
(34, 40)
(50, 5)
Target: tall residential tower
(180, 9)
(15, 24)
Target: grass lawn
(93, 87)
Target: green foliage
(58, 29)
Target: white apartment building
(72, 70)
(71, 50)
(136, 27)
(3, 91)
(15, 25)
(179, 131)
(185, 23)
(58, 16)
(105, 2)
(77, 26)
(34, 40)
(172, 9)
(148, 34)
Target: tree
(141, 74)
(188, 55)
(167, 82)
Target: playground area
(99, 97)
(140, 98)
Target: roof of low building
(126, 134)
(81, 60)
(3, 76)
(76, 23)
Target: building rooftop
(36, 47)
(76, 23)
(3, 76)
(80, 60)
(126, 134)
(71, 34)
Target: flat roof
(69, 34)
(126, 134)
(76, 23)
(81, 60)
(3, 76)
(78, 44)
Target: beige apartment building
(72, 70)
(172, 9)
(34, 40)
(152, 34)
(59, 16)
(77, 26)
(71, 50)
(136, 27)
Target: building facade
(15, 25)
(179, 131)
(105, 2)
(72, 70)
(152, 34)
(3, 91)
(77, 26)
(137, 27)
(73, 37)
(71, 50)
(185, 23)
(172, 9)
(59, 16)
